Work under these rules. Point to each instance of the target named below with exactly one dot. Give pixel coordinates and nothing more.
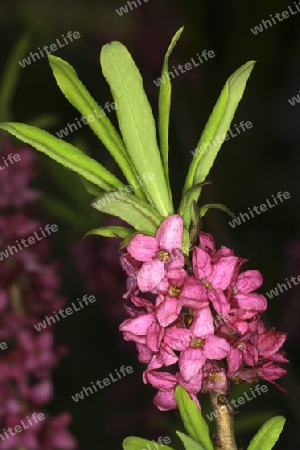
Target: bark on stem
(224, 421)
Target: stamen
(197, 343)
(163, 255)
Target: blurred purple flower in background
(29, 286)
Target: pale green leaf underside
(164, 106)
(194, 422)
(136, 443)
(65, 154)
(214, 133)
(136, 122)
(189, 443)
(115, 232)
(130, 209)
(77, 94)
(268, 435)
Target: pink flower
(242, 352)
(203, 345)
(158, 254)
(56, 435)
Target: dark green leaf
(115, 232)
(164, 106)
(10, 77)
(208, 206)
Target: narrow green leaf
(134, 211)
(189, 443)
(268, 435)
(91, 188)
(136, 443)
(65, 154)
(208, 206)
(10, 76)
(115, 232)
(193, 421)
(77, 94)
(164, 106)
(218, 124)
(214, 133)
(136, 122)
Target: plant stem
(224, 421)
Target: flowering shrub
(192, 312)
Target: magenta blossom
(199, 325)
(158, 254)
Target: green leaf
(268, 435)
(193, 421)
(136, 122)
(91, 188)
(10, 76)
(131, 209)
(81, 99)
(218, 124)
(115, 232)
(136, 443)
(64, 153)
(215, 132)
(164, 105)
(189, 444)
(208, 206)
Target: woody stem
(224, 422)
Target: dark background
(250, 168)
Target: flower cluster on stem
(196, 320)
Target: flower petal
(150, 274)
(170, 233)
(142, 247)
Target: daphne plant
(193, 315)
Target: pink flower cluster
(198, 318)
(29, 286)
